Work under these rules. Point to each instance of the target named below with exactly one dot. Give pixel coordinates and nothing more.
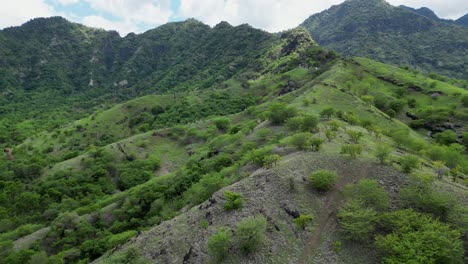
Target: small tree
(440, 169)
(271, 160)
(353, 150)
(382, 152)
(263, 133)
(306, 141)
(334, 125)
(315, 143)
(330, 135)
(464, 100)
(369, 193)
(368, 99)
(309, 123)
(446, 138)
(250, 233)
(280, 112)
(295, 123)
(354, 135)
(233, 200)
(323, 180)
(357, 222)
(409, 163)
(219, 243)
(418, 236)
(303, 221)
(327, 113)
(222, 123)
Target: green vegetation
(323, 180)
(250, 233)
(409, 163)
(409, 231)
(303, 221)
(219, 243)
(280, 112)
(353, 150)
(369, 194)
(233, 200)
(350, 28)
(357, 222)
(382, 152)
(153, 146)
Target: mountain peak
(423, 11)
(463, 21)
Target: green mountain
(68, 70)
(463, 21)
(224, 145)
(393, 35)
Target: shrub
(305, 141)
(233, 200)
(369, 193)
(464, 100)
(382, 152)
(334, 125)
(354, 135)
(258, 156)
(465, 140)
(409, 163)
(263, 133)
(369, 99)
(294, 123)
(330, 135)
(271, 160)
(417, 238)
(327, 113)
(250, 233)
(219, 243)
(222, 123)
(315, 143)
(309, 123)
(357, 222)
(323, 180)
(353, 150)
(280, 112)
(397, 105)
(350, 117)
(420, 196)
(301, 140)
(303, 220)
(446, 138)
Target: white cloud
(451, 9)
(17, 12)
(123, 27)
(153, 12)
(271, 15)
(277, 15)
(138, 15)
(67, 2)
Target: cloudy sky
(139, 15)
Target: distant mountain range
(424, 11)
(395, 35)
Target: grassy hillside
(147, 180)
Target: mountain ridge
(393, 35)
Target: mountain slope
(463, 20)
(67, 70)
(140, 181)
(392, 35)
